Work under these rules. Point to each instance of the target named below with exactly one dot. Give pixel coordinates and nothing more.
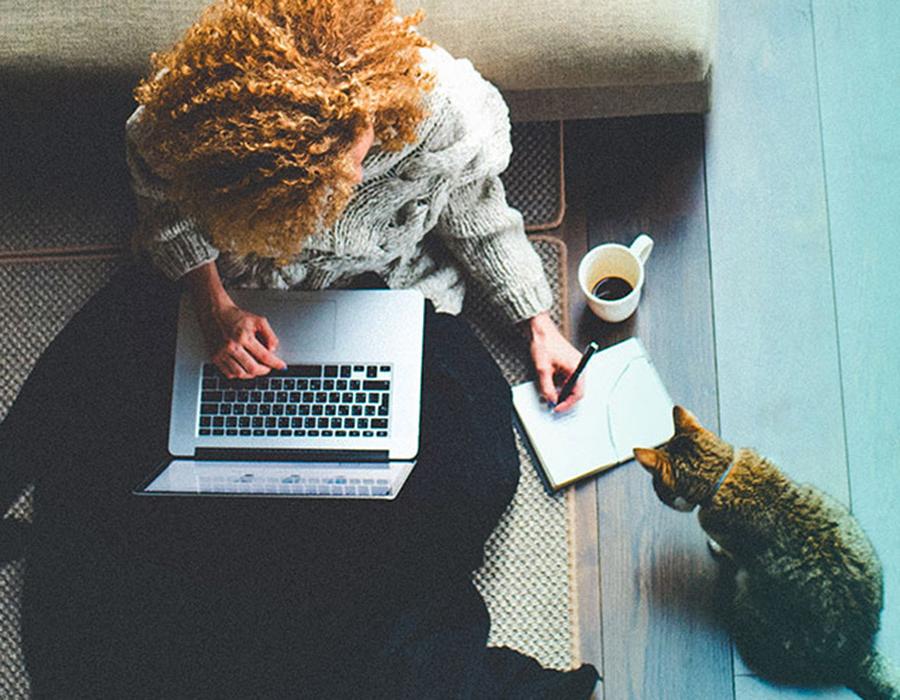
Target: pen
(567, 388)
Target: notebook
(625, 406)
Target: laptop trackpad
(302, 328)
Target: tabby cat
(809, 584)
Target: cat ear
(648, 459)
(685, 421)
(655, 462)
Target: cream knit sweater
(430, 217)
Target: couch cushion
(521, 46)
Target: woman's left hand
(554, 360)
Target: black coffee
(612, 288)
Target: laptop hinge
(237, 454)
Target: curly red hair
(254, 111)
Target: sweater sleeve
(174, 241)
(487, 237)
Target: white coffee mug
(615, 260)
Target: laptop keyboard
(309, 401)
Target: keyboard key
(374, 397)
(354, 433)
(371, 371)
(243, 396)
(330, 410)
(211, 396)
(355, 384)
(290, 410)
(277, 410)
(229, 396)
(275, 384)
(345, 371)
(370, 410)
(340, 433)
(315, 385)
(205, 421)
(268, 396)
(265, 409)
(347, 397)
(331, 370)
(231, 431)
(302, 384)
(218, 422)
(312, 433)
(381, 433)
(356, 410)
(205, 431)
(288, 384)
(271, 433)
(343, 410)
(299, 433)
(303, 410)
(327, 433)
(336, 422)
(376, 386)
(350, 422)
(210, 382)
(359, 397)
(378, 423)
(359, 368)
(224, 409)
(271, 422)
(258, 422)
(368, 433)
(209, 409)
(382, 410)
(317, 409)
(258, 431)
(321, 397)
(296, 422)
(285, 422)
(363, 423)
(323, 423)
(238, 409)
(308, 397)
(281, 396)
(309, 422)
(328, 385)
(334, 397)
(244, 421)
(231, 422)
(246, 431)
(285, 433)
(385, 368)
(251, 409)
(256, 396)
(303, 371)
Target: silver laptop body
(342, 421)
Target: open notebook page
(625, 406)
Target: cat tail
(876, 679)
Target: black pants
(169, 597)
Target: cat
(809, 593)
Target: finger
(230, 368)
(250, 366)
(573, 398)
(268, 335)
(261, 354)
(546, 388)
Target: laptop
(342, 421)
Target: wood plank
(660, 627)
(752, 688)
(573, 230)
(859, 88)
(776, 345)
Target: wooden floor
(771, 308)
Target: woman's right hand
(242, 345)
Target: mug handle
(641, 247)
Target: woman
(290, 144)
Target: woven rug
(526, 580)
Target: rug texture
(526, 579)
